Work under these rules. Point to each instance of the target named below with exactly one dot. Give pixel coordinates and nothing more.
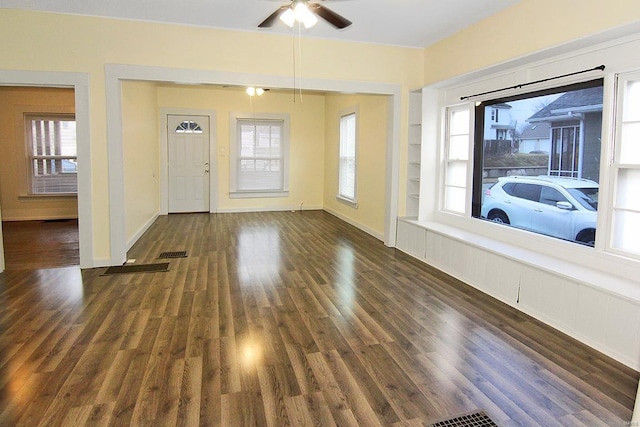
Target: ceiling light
(252, 91)
(288, 17)
(299, 12)
(304, 15)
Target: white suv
(565, 208)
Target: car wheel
(499, 216)
(588, 237)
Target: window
(527, 191)
(348, 164)
(626, 168)
(551, 196)
(188, 126)
(259, 150)
(52, 154)
(456, 158)
(550, 187)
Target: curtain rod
(599, 67)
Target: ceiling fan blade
(271, 19)
(330, 16)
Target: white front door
(188, 161)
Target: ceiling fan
(305, 12)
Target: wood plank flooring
(40, 244)
(285, 319)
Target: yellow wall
(141, 155)
(56, 42)
(14, 103)
(371, 162)
(526, 27)
(306, 143)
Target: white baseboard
(377, 235)
(269, 209)
(141, 231)
(98, 263)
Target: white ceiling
(411, 23)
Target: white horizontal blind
(456, 153)
(347, 172)
(52, 154)
(626, 168)
(260, 155)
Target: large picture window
(52, 154)
(537, 167)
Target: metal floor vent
(474, 419)
(139, 268)
(173, 254)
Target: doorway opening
(38, 195)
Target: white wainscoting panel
(623, 318)
(411, 239)
(600, 318)
(591, 314)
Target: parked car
(561, 207)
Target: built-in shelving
(414, 153)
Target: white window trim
(352, 202)
(445, 161)
(616, 166)
(234, 193)
(347, 201)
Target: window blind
(347, 173)
(260, 155)
(52, 155)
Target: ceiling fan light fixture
(304, 12)
(288, 17)
(304, 15)
(299, 11)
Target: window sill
(588, 275)
(48, 196)
(348, 202)
(257, 194)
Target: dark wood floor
(40, 244)
(279, 319)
